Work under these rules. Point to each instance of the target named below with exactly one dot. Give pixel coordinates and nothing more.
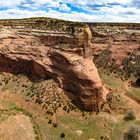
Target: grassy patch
(111, 81)
(72, 124)
(96, 127)
(11, 109)
(134, 93)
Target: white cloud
(49, 3)
(93, 2)
(135, 3)
(73, 16)
(64, 7)
(104, 13)
(119, 10)
(16, 13)
(10, 3)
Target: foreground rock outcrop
(62, 55)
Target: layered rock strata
(116, 48)
(66, 57)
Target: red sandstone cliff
(44, 56)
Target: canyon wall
(116, 48)
(58, 49)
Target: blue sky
(75, 10)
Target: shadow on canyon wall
(62, 73)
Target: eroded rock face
(74, 72)
(116, 48)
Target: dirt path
(17, 127)
(20, 102)
(132, 103)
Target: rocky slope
(116, 48)
(58, 49)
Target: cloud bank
(75, 10)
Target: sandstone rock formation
(64, 56)
(116, 48)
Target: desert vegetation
(59, 112)
(44, 24)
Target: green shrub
(49, 122)
(130, 115)
(132, 133)
(55, 125)
(62, 135)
